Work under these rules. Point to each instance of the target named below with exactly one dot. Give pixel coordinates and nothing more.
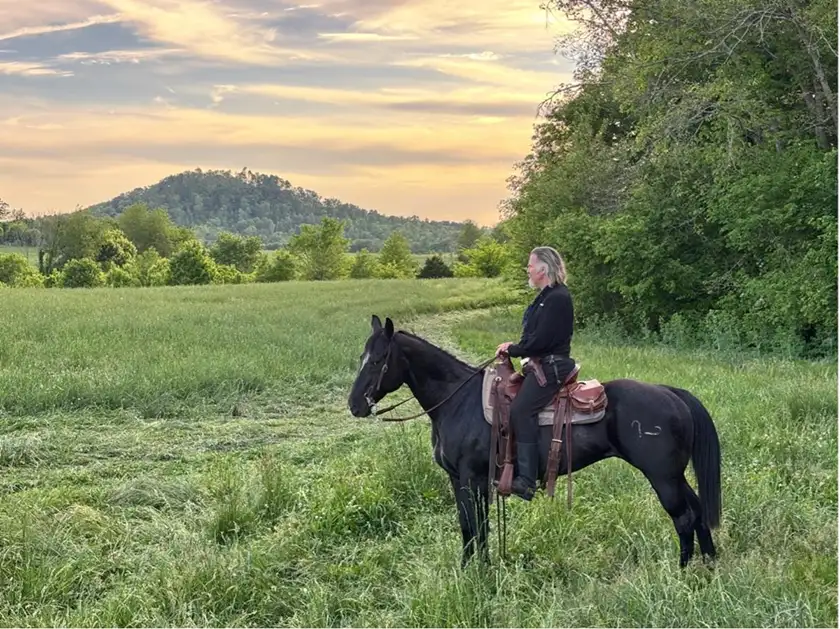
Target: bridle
(374, 388)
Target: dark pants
(532, 398)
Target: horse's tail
(705, 457)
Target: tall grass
(164, 351)
(270, 506)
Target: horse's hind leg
(704, 535)
(674, 500)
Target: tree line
(144, 247)
(689, 172)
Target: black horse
(654, 428)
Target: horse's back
(648, 422)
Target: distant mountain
(268, 206)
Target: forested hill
(267, 206)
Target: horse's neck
(434, 374)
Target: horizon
(398, 107)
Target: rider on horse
(547, 328)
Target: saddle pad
(546, 416)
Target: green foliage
(16, 272)
(122, 276)
(115, 249)
(227, 274)
(279, 267)
(82, 273)
(434, 267)
(236, 251)
(72, 236)
(271, 209)
(151, 229)
(468, 236)
(152, 269)
(690, 175)
(192, 264)
(395, 257)
(321, 249)
(365, 266)
(487, 257)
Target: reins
(477, 371)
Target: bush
(227, 274)
(82, 273)
(16, 271)
(365, 265)
(191, 265)
(152, 269)
(280, 267)
(116, 249)
(121, 277)
(434, 267)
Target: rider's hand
(502, 349)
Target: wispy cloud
(117, 56)
(28, 31)
(204, 30)
(22, 68)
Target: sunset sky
(400, 106)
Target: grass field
(184, 456)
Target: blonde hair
(552, 263)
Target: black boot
(527, 460)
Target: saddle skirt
(546, 415)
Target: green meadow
(184, 456)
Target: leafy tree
(116, 249)
(191, 265)
(396, 253)
(237, 251)
(149, 229)
(70, 237)
(82, 273)
(279, 267)
(488, 257)
(322, 250)
(16, 271)
(469, 235)
(152, 269)
(434, 267)
(689, 172)
(365, 265)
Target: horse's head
(381, 369)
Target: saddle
(576, 402)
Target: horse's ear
(375, 323)
(389, 327)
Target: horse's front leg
(471, 501)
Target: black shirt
(547, 324)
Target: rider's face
(535, 272)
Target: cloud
(365, 37)
(117, 56)
(463, 101)
(29, 31)
(203, 30)
(22, 68)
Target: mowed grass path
(184, 456)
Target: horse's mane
(439, 350)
